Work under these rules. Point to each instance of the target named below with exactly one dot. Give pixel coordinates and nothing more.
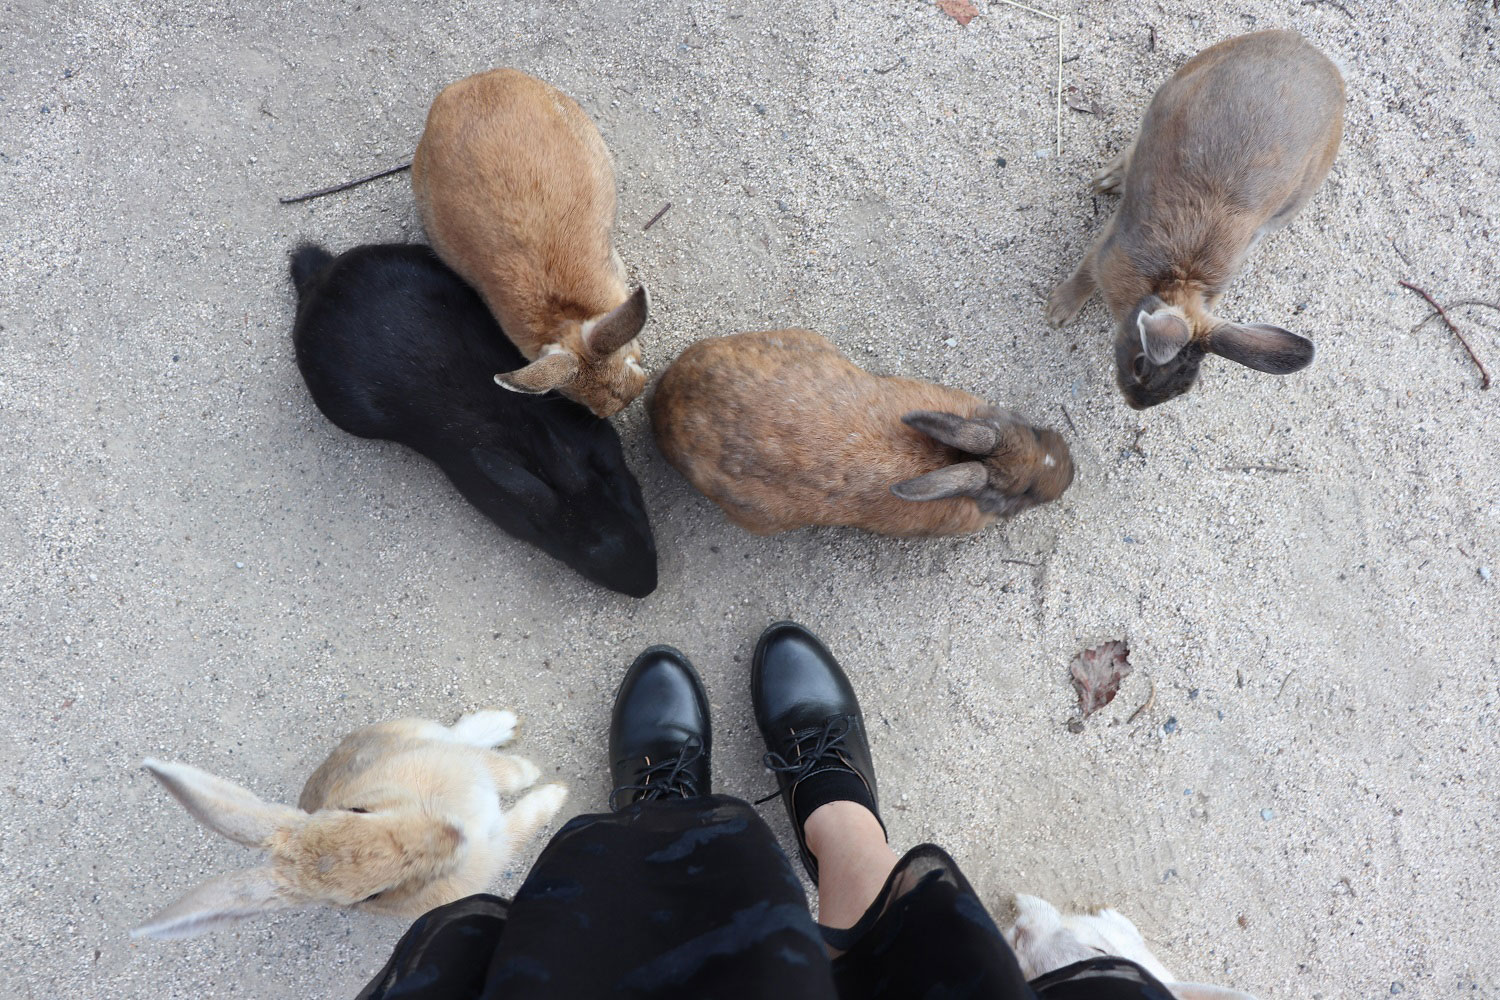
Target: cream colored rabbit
(1045, 939)
(401, 817)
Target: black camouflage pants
(693, 898)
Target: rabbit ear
(224, 807)
(514, 480)
(1261, 346)
(962, 480)
(954, 431)
(604, 335)
(1164, 332)
(548, 372)
(217, 903)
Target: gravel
(199, 567)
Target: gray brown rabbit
(402, 817)
(517, 194)
(1230, 149)
(782, 431)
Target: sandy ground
(198, 566)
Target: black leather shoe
(659, 737)
(809, 717)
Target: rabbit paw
(513, 774)
(1066, 300)
(1109, 179)
(486, 728)
(535, 810)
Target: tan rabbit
(1230, 149)
(517, 194)
(782, 431)
(1045, 939)
(401, 817)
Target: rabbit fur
(782, 431)
(1044, 939)
(402, 817)
(516, 191)
(1230, 149)
(393, 344)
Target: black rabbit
(393, 344)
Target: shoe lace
(810, 747)
(666, 778)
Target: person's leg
(815, 740)
(854, 860)
(674, 893)
(899, 927)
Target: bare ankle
(838, 826)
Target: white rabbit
(1045, 939)
(402, 817)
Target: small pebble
(239, 565)
(1170, 726)
(1397, 988)
(1484, 573)
(1267, 815)
(950, 342)
(999, 161)
(1192, 694)
(782, 205)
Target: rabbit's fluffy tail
(308, 261)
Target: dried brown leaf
(961, 11)
(1097, 674)
(1085, 106)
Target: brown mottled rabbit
(401, 817)
(1045, 939)
(1230, 149)
(782, 431)
(517, 194)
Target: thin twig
(1022, 562)
(1469, 302)
(1331, 3)
(1057, 21)
(1069, 418)
(1282, 688)
(1150, 700)
(1399, 252)
(657, 217)
(345, 186)
(1483, 371)
(883, 70)
(1151, 39)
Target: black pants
(693, 898)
